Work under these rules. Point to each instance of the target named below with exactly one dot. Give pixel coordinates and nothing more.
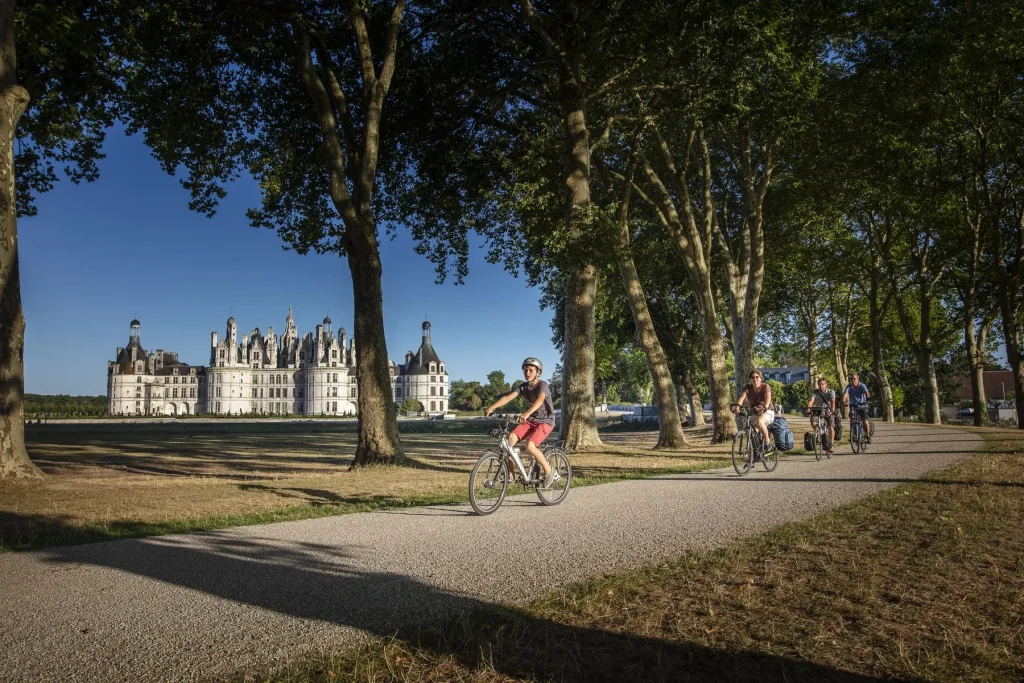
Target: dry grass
(118, 480)
(921, 582)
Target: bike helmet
(535, 363)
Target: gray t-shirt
(823, 400)
(546, 413)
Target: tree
(56, 100)
(294, 95)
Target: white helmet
(535, 363)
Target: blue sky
(99, 254)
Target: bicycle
(748, 445)
(858, 440)
(490, 478)
(820, 420)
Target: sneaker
(550, 478)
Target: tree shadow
(325, 583)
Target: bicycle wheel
(817, 442)
(488, 483)
(741, 458)
(559, 488)
(771, 460)
(855, 438)
(864, 440)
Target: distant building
(265, 374)
(998, 383)
(786, 374)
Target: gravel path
(189, 607)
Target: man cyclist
(759, 395)
(856, 396)
(538, 420)
(823, 402)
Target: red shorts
(533, 431)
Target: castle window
(334, 353)
(433, 379)
(299, 392)
(175, 379)
(254, 392)
(353, 393)
(193, 379)
(335, 377)
(433, 405)
(175, 394)
(191, 392)
(167, 380)
(334, 407)
(398, 392)
(139, 380)
(433, 391)
(334, 391)
(222, 353)
(442, 390)
(218, 392)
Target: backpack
(809, 442)
(839, 430)
(784, 441)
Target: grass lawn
(107, 480)
(921, 582)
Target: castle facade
(262, 374)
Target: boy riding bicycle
(538, 420)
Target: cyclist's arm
(510, 396)
(742, 399)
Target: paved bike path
(195, 606)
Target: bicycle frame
(507, 448)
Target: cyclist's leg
(762, 427)
(539, 432)
(866, 433)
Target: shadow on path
(320, 582)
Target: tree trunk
(723, 421)
(878, 361)
(933, 406)
(670, 429)
(1012, 338)
(14, 460)
(976, 352)
(693, 396)
(579, 424)
(379, 441)
(812, 342)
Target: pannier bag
(809, 442)
(826, 442)
(784, 441)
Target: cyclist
(759, 395)
(856, 396)
(823, 400)
(538, 420)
